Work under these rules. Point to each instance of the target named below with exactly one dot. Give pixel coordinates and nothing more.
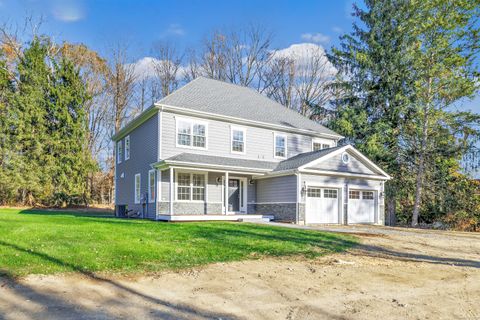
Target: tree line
(391, 88)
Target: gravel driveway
(393, 274)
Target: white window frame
(137, 196)
(285, 136)
(127, 150)
(204, 173)
(119, 151)
(150, 185)
(244, 130)
(322, 142)
(192, 122)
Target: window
(238, 140)
(345, 158)
(353, 194)
(280, 146)
(314, 192)
(151, 186)
(367, 195)
(191, 133)
(191, 186)
(119, 151)
(127, 147)
(137, 188)
(330, 193)
(317, 145)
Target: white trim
(344, 174)
(214, 217)
(241, 121)
(192, 122)
(171, 187)
(196, 164)
(138, 196)
(163, 168)
(275, 202)
(152, 200)
(244, 131)
(322, 142)
(127, 150)
(225, 193)
(191, 172)
(159, 190)
(160, 128)
(242, 206)
(285, 136)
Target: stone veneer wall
(280, 211)
(190, 208)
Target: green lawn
(43, 242)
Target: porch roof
(303, 158)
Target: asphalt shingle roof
(288, 164)
(218, 97)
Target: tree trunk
(420, 169)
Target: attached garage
(322, 205)
(361, 206)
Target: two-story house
(217, 151)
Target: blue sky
(101, 23)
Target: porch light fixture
(219, 180)
(251, 182)
(304, 189)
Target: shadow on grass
(58, 308)
(73, 213)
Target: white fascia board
(344, 174)
(205, 167)
(129, 127)
(230, 119)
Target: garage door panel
(361, 206)
(322, 205)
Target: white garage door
(322, 205)
(361, 206)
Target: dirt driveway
(394, 274)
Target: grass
(46, 242)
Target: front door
(233, 195)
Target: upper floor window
(151, 186)
(318, 145)
(119, 151)
(280, 145)
(127, 148)
(191, 133)
(238, 140)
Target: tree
(166, 66)
(443, 54)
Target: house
(217, 151)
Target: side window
(191, 133)
(151, 186)
(238, 140)
(127, 148)
(280, 146)
(137, 188)
(319, 145)
(119, 151)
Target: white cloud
(174, 30)
(302, 54)
(145, 68)
(316, 37)
(68, 10)
(337, 29)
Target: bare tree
(279, 81)
(166, 66)
(120, 87)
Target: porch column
(225, 189)
(171, 191)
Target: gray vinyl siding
(336, 164)
(277, 189)
(259, 141)
(143, 152)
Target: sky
(100, 24)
